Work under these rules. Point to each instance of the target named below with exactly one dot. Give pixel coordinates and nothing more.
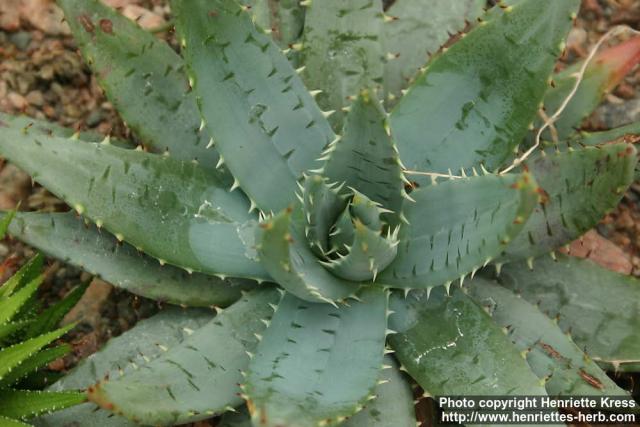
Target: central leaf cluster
(346, 230)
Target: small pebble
(18, 101)
(21, 39)
(35, 98)
(94, 118)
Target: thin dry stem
(579, 77)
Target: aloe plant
(326, 232)
(25, 335)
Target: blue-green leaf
(317, 363)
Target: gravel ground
(43, 76)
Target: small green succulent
(24, 336)
(327, 232)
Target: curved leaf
(265, 124)
(607, 69)
(8, 422)
(342, 50)
(25, 403)
(457, 226)
(369, 252)
(143, 77)
(580, 187)
(286, 255)
(34, 362)
(393, 405)
(322, 204)
(317, 363)
(31, 270)
(47, 128)
(475, 101)
(365, 157)
(414, 31)
(11, 306)
(170, 209)
(599, 308)
(603, 137)
(198, 377)
(13, 356)
(450, 346)
(550, 353)
(284, 18)
(98, 252)
(126, 353)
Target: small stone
(625, 220)
(94, 118)
(601, 251)
(57, 365)
(88, 310)
(35, 98)
(15, 186)
(144, 17)
(119, 4)
(44, 15)
(612, 115)
(4, 250)
(577, 38)
(10, 15)
(18, 101)
(625, 91)
(21, 39)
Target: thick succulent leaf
(33, 363)
(24, 403)
(173, 210)
(39, 379)
(25, 275)
(550, 353)
(342, 50)
(12, 305)
(599, 308)
(125, 354)
(322, 205)
(369, 253)
(70, 239)
(450, 346)
(414, 31)
(366, 211)
(286, 255)
(143, 77)
(365, 157)
(317, 363)
(13, 356)
(5, 221)
(198, 377)
(393, 405)
(475, 101)
(47, 128)
(630, 131)
(9, 422)
(7, 329)
(49, 318)
(265, 124)
(344, 231)
(581, 186)
(283, 18)
(604, 73)
(121, 355)
(457, 226)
